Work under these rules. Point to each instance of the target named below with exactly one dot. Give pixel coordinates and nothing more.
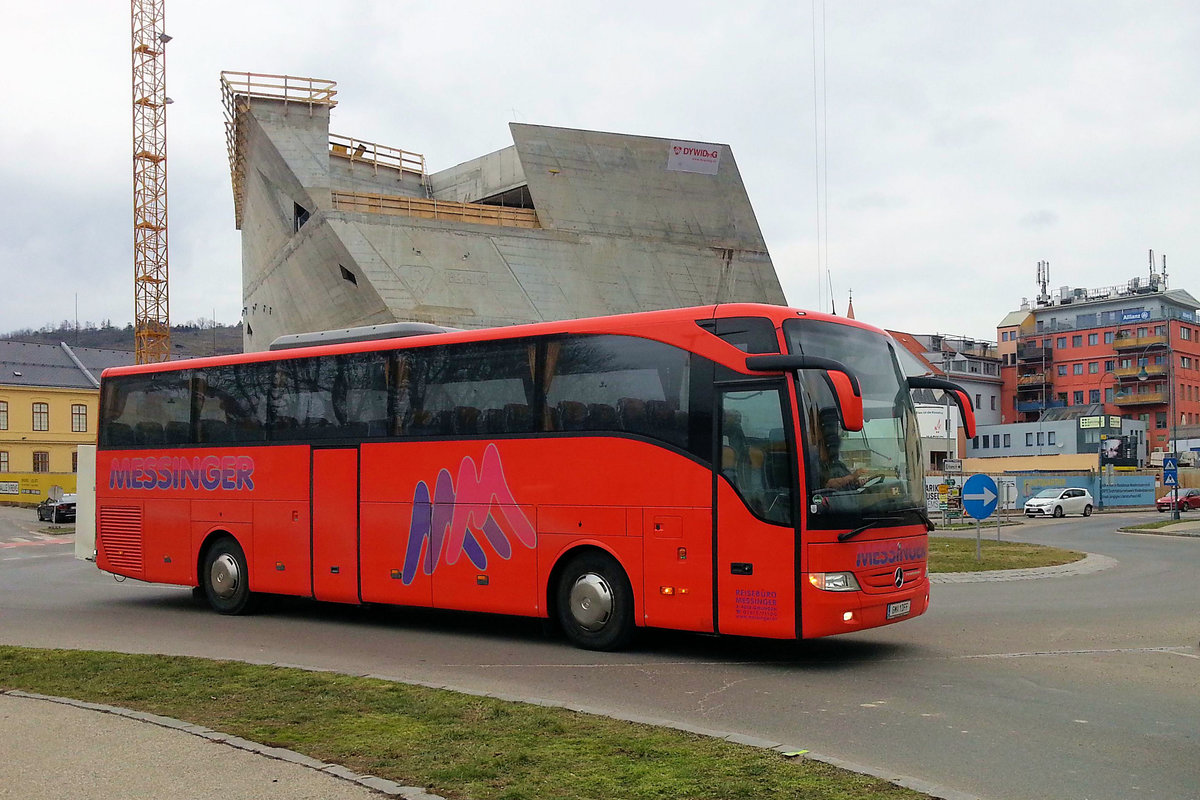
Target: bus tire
(595, 602)
(225, 578)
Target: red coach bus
(738, 469)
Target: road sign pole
(978, 541)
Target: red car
(1188, 499)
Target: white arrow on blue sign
(979, 496)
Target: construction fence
(1117, 490)
(31, 488)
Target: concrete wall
(620, 232)
(480, 177)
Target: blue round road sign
(979, 496)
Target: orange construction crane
(152, 324)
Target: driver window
(754, 455)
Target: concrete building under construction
(339, 232)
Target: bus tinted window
(231, 403)
(748, 334)
(146, 410)
(360, 394)
(618, 383)
(331, 397)
(469, 390)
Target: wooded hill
(192, 339)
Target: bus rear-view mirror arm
(841, 381)
(961, 398)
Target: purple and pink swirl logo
(460, 512)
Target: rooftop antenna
(1164, 272)
(1043, 279)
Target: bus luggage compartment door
(335, 524)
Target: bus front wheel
(225, 578)
(595, 603)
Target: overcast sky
(962, 141)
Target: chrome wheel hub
(224, 577)
(591, 601)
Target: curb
(1161, 532)
(278, 753)
(1086, 566)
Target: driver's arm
(849, 481)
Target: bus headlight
(834, 581)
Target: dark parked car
(61, 510)
(1188, 499)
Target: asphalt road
(1071, 687)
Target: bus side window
(467, 390)
(231, 402)
(360, 395)
(146, 410)
(620, 384)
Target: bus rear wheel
(595, 603)
(225, 578)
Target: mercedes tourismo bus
(738, 469)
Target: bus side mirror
(961, 399)
(850, 402)
(841, 381)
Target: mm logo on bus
(446, 524)
(172, 472)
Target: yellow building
(49, 404)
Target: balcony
(1140, 399)
(1034, 406)
(1035, 380)
(1152, 370)
(1138, 342)
(1031, 352)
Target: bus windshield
(874, 474)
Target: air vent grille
(120, 538)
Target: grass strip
(957, 554)
(455, 745)
(1150, 526)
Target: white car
(1057, 502)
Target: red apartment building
(1135, 349)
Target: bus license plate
(898, 609)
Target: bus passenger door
(754, 510)
(335, 524)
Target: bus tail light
(834, 581)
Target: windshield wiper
(874, 523)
